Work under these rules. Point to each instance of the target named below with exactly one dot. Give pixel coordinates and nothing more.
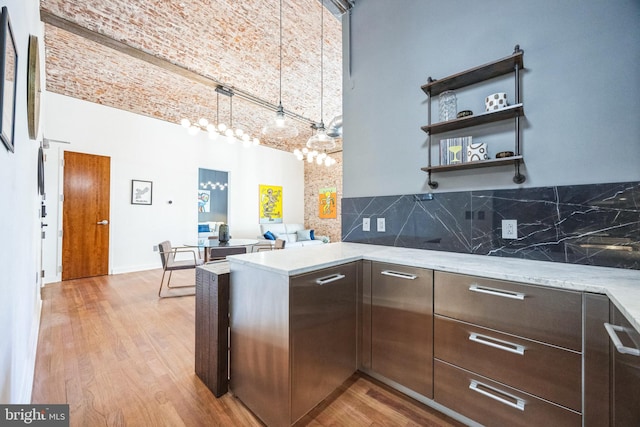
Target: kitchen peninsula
(287, 305)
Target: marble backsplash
(596, 224)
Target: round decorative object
(495, 101)
(503, 154)
(464, 113)
(33, 87)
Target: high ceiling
(163, 59)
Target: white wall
(19, 228)
(580, 89)
(148, 149)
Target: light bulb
(246, 138)
(256, 141)
(305, 150)
(280, 120)
(222, 127)
(327, 161)
(211, 128)
(203, 122)
(229, 133)
(185, 123)
(310, 159)
(319, 160)
(297, 152)
(239, 132)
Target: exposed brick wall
(234, 42)
(317, 177)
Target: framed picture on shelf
(141, 192)
(8, 74)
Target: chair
(279, 244)
(170, 264)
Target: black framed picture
(8, 75)
(141, 192)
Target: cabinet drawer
(546, 371)
(549, 315)
(494, 404)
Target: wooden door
(85, 215)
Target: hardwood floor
(119, 356)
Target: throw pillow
(203, 228)
(269, 236)
(305, 235)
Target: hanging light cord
(280, 95)
(321, 62)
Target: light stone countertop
(622, 286)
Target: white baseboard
(23, 394)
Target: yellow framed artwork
(270, 204)
(327, 198)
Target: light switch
(366, 224)
(381, 224)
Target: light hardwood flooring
(119, 356)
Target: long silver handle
(497, 343)
(496, 292)
(611, 330)
(329, 279)
(479, 387)
(399, 274)
(103, 222)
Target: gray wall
(581, 90)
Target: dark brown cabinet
(625, 370)
(402, 325)
(507, 353)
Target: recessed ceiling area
(164, 59)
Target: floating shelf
(475, 75)
(475, 120)
(474, 165)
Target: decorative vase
(223, 233)
(447, 105)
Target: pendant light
(278, 129)
(321, 141)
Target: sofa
(208, 229)
(295, 235)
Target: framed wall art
(270, 204)
(327, 198)
(141, 192)
(8, 76)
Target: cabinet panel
(545, 371)
(626, 373)
(494, 404)
(548, 315)
(596, 361)
(323, 335)
(402, 325)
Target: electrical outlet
(509, 228)
(381, 224)
(366, 224)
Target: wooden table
(214, 249)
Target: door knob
(103, 222)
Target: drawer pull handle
(329, 279)
(611, 330)
(399, 274)
(496, 343)
(486, 390)
(497, 292)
